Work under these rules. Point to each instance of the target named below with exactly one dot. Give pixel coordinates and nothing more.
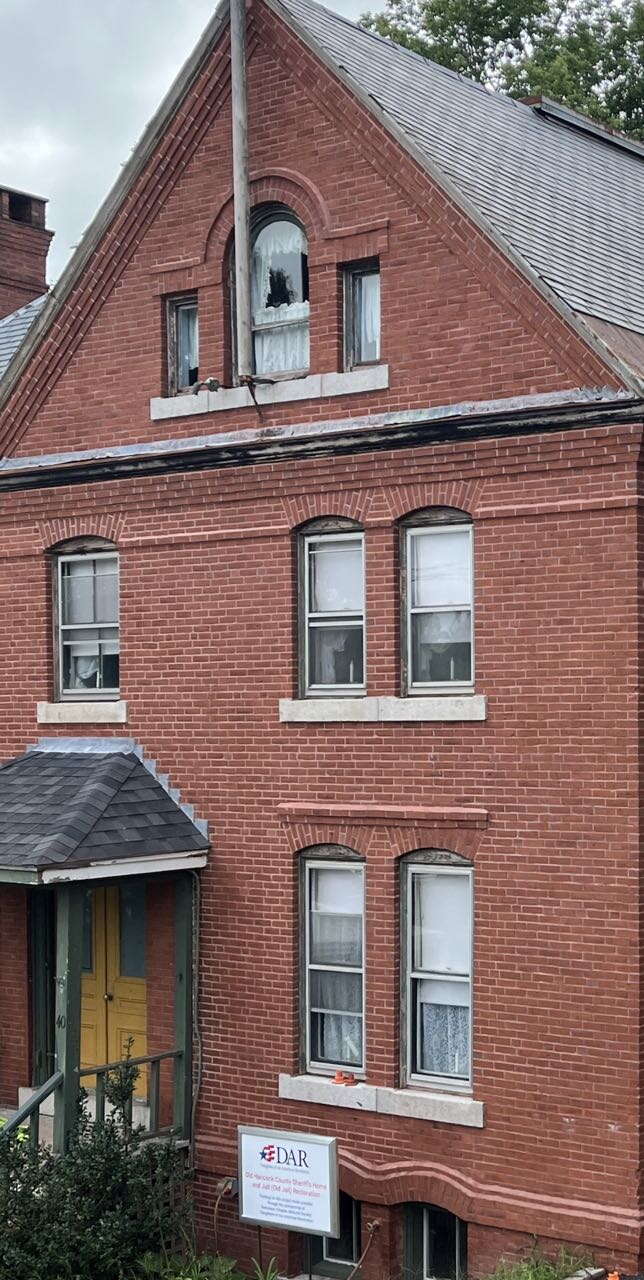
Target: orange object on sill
(346, 1077)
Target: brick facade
(541, 797)
(24, 242)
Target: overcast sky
(78, 83)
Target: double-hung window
(438, 1000)
(183, 344)
(334, 963)
(279, 294)
(362, 315)
(334, 644)
(88, 625)
(439, 594)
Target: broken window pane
(280, 298)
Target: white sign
(288, 1180)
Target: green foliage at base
(538, 1267)
(92, 1213)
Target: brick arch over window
(108, 527)
(301, 509)
(282, 186)
(458, 495)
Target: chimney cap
(17, 191)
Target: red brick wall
(23, 259)
(207, 651)
(459, 322)
(14, 994)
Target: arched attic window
(279, 292)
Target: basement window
(362, 315)
(183, 343)
(337, 1257)
(435, 1243)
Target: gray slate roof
(571, 203)
(70, 808)
(14, 327)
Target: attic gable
(147, 184)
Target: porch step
(140, 1109)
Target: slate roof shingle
(15, 326)
(570, 202)
(70, 808)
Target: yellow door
(114, 985)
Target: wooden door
(114, 984)
(93, 984)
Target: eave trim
(555, 411)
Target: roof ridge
(422, 59)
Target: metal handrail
(30, 1110)
(143, 1061)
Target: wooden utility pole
(241, 194)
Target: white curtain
(274, 246)
(440, 568)
(444, 1027)
(369, 317)
(336, 577)
(283, 349)
(278, 254)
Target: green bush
(92, 1213)
(537, 1267)
(161, 1267)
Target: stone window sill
(81, 712)
(418, 1104)
(315, 386)
(383, 710)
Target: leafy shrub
(160, 1267)
(91, 1213)
(538, 1267)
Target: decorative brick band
(378, 815)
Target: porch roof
(76, 814)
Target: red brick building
(378, 621)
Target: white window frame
(258, 223)
(460, 1226)
(412, 975)
(436, 531)
(328, 1241)
(327, 619)
(329, 864)
(351, 275)
(83, 695)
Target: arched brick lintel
(280, 186)
(109, 525)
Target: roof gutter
(109, 869)
(516, 416)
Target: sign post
(288, 1180)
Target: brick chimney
(24, 242)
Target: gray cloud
(78, 83)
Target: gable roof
(563, 198)
(565, 194)
(15, 326)
(72, 808)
